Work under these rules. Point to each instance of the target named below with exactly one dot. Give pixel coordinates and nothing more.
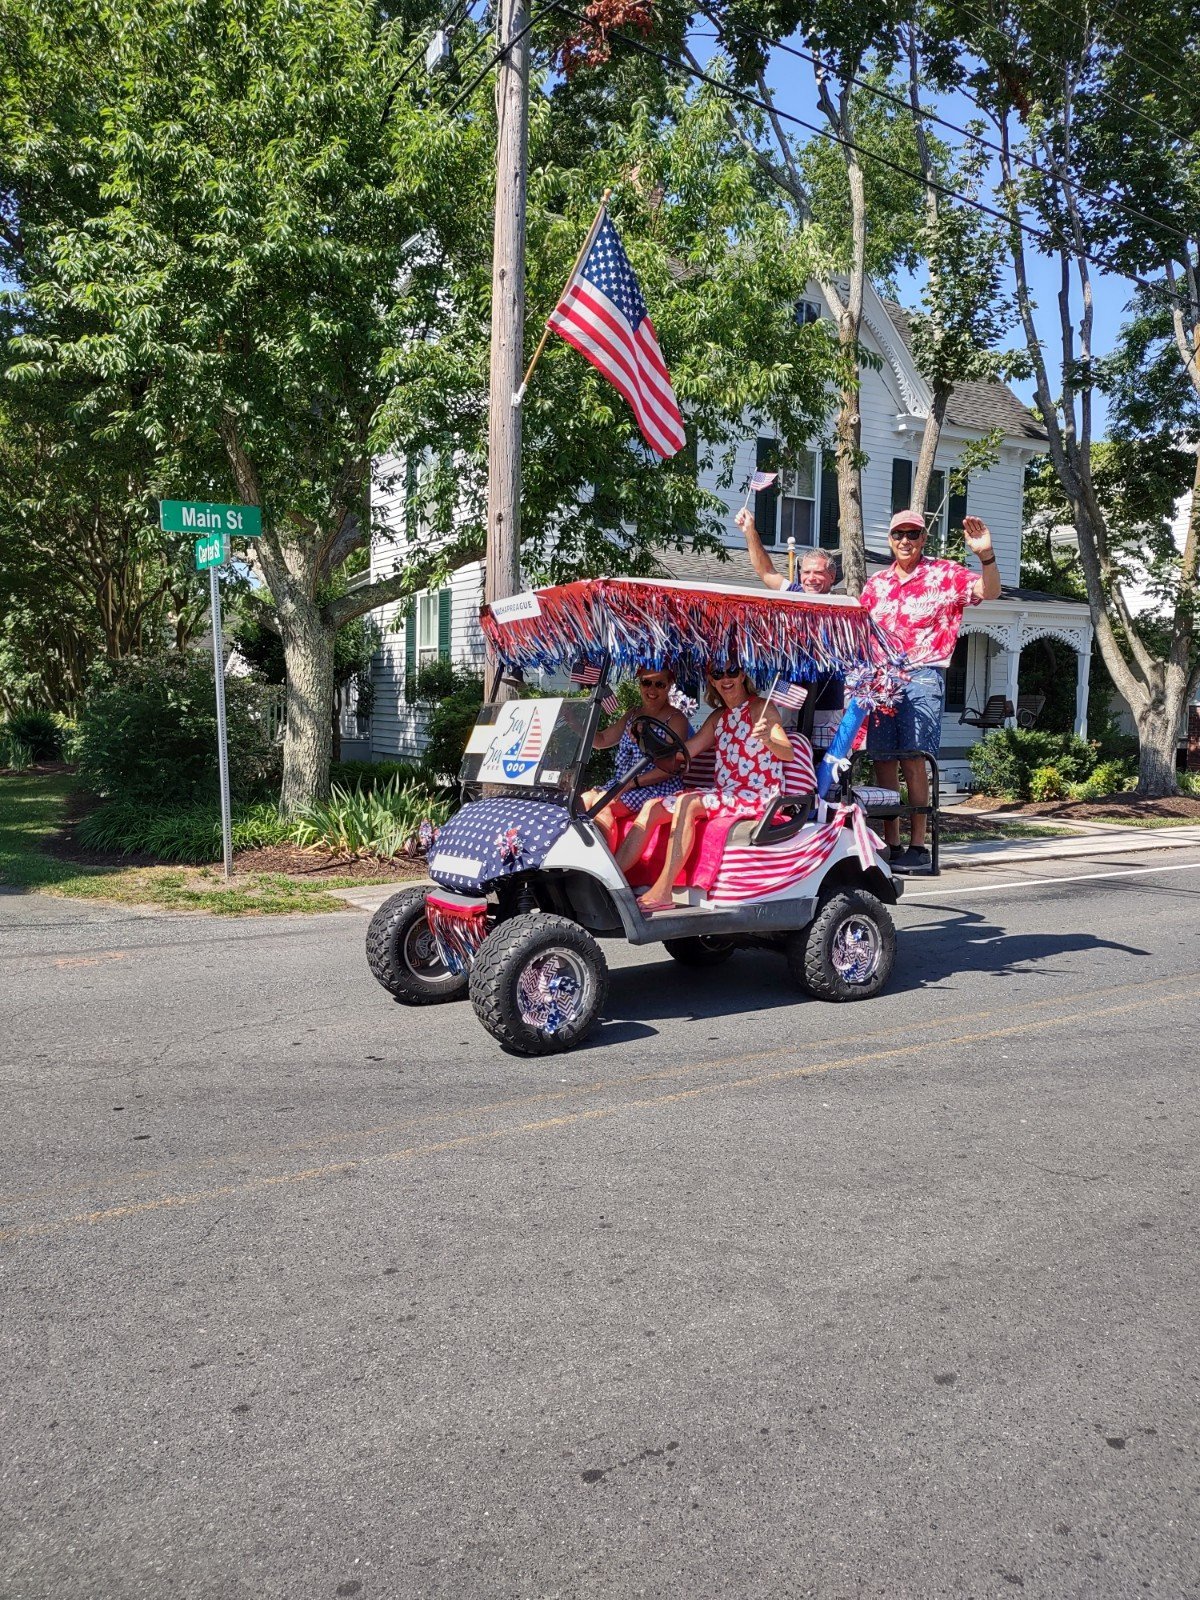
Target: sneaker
(915, 859)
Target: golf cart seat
(782, 820)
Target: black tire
(705, 950)
(514, 952)
(403, 957)
(851, 928)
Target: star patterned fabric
(491, 839)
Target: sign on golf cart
(527, 881)
(514, 747)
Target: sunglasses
(652, 683)
(908, 536)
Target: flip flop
(648, 907)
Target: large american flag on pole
(602, 313)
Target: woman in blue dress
(655, 783)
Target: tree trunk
(848, 455)
(929, 443)
(1157, 726)
(308, 733)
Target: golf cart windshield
(528, 744)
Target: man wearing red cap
(919, 603)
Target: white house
(894, 403)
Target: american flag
(587, 678)
(761, 481)
(602, 313)
(790, 696)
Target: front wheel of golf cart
(403, 956)
(847, 950)
(538, 984)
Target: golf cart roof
(652, 622)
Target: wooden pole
(503, 569)
(583, 250)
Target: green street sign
(212, 551)
(199, 516)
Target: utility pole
(503, 573)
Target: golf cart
(526, 883)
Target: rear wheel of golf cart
(403, 956)
(539, 983)
(847, 950)
(706, 950)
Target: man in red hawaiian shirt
(919, 604)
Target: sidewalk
(1108, 840)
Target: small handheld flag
(602, 313)
(587, 677)
(788, 696)
(759, 482)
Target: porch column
(1083, 664)
(1013, 667)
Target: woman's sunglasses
(652, 683)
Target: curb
(1095, 844)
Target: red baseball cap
(906, 519)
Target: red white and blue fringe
(459, 926)
(639, 625)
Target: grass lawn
(32, 810)
(962, 828)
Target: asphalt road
(307, 1294)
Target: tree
(218, 250)
(1102, 167)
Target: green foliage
(148, 734)
(1109, 777)
(40, 731)
(189, 834)
(379, 822)
(451, 697)
(1003, 763)
(14, 753)
(1046, 783)
(368, 775)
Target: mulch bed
(1113, 808)
(314, 866)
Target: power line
(733, 92)
(966, 133)
(534, 13)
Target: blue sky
(792, 81)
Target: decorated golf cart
(526, 883)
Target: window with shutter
(445, 614)
(410, 652)
(902, 476)
(830, 535)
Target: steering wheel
(656, 739)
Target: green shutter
(902, 476)
(766, 459)
(956, 509)
(445, 605)
(410, 652)
(828, 535)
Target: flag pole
(583, 250)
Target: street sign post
(212, 526)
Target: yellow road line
(570, 1119)
(554, 1096)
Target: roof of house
(985, 405)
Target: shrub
(14, 753)
(190, 834)
(148, 734)
(377, 823)
(368, 775)
(453, 697)
(1112, 777)
(1004, 762)
(40, 731)
(1046, 783)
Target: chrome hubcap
(420, 953)
(552, 990)
(856, 949)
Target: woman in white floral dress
(750, 747)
